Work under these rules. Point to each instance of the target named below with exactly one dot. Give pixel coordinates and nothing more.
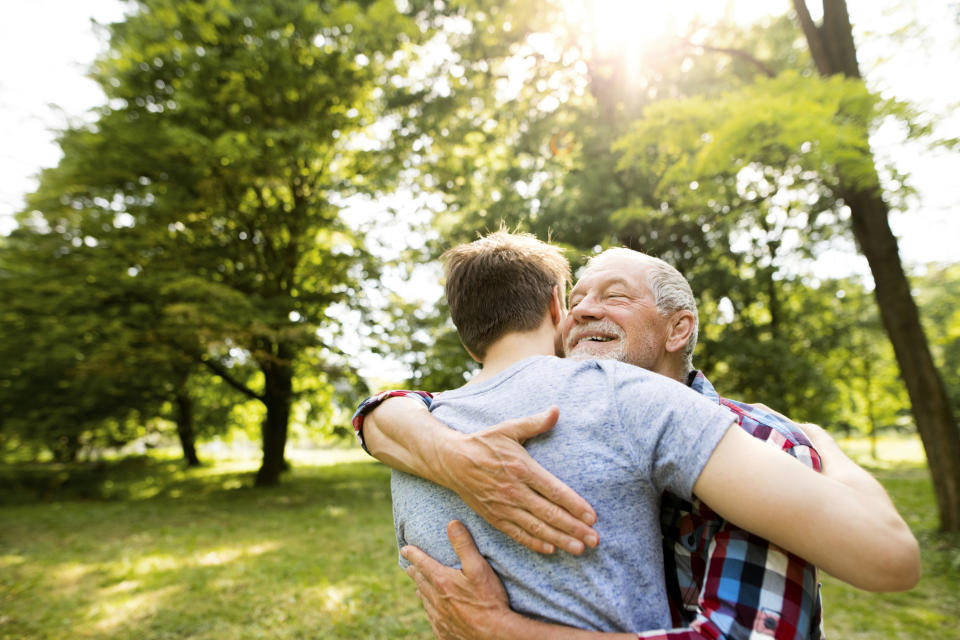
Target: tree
(233, 133)
(92, 358)
(834, 53)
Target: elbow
(898, 566)
(908, 561)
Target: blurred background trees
(197, 259)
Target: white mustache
(591, 328)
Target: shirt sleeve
(751, 588)
(371, 403)
(672, 429)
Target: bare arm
(472, 604)
(840, 520)
(490, 470)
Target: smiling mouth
(599, 339)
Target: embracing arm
(490, 470)
(471, 603)
(840, 520)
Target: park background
(238, 240)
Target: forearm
(841, 521)
(403, 434)
(871, 495)
(513, 626)
(838, 466)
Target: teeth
(597, 339)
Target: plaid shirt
(722, 581)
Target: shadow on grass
(145, 477)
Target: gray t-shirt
(624, 436)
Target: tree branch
(814, 36)
(764, 68)
(221, 371)
(839, 36)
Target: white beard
(588, 350)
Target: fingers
(814, 430)
(567, 511)
(545, 483)
(471, 562)
(527, 502)
(521, 429)
(530, 527)
(427, 594)
(422, 562)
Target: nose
(588, 308)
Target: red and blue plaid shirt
(722, 581)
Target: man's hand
(494, 474)
(470, 603)
(490, 470)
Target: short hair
(501, 283)
(671, 292)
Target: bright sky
(47, 46)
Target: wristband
(374, 401)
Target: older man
(721, 580)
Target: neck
(674, 370)
(514, 347)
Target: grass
(198, 554)
(141, 548)
(928, 611)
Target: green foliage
(938, 294)
(739, 185)
(548, 168)
(88, 364)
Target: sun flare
(626, 28)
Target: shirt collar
(699, 383)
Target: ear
(681, 328)
(557, 306)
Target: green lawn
(142, 549)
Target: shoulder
(774, 429)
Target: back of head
(670, 290)
(500, 284)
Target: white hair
(671, 292)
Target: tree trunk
(833, 51)
(66, 448)
(185, 428)
(277, 396)
(901, 320)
